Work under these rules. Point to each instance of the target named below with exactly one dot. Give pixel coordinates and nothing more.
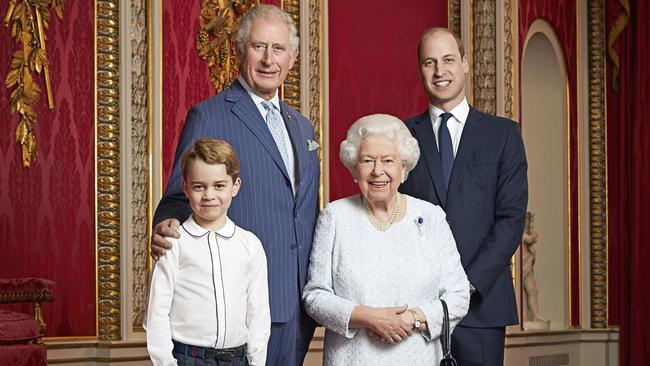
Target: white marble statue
(533, 320)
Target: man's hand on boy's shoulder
(165, 228)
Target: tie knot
(445, 117)
(267, 105)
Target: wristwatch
(417, 323)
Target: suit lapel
(423, 130)
(298, 142)
(247, 112)
(467, 141)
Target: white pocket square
(312, 145)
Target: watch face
(417, 324)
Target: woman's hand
(386, 322)
(410, 315)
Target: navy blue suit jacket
(485, 206)
(265, 204)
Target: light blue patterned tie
(275, 122)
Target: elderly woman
(381, 261)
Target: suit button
(293, 246)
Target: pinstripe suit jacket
(265, 204)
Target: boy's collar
(195, 230)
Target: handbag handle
(445, 336)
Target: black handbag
(445, 338)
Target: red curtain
(628, 113)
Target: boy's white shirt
(182, 293)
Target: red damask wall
(47, 225)
(562, 16)
(186, 78)
(373, 67)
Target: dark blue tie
(446, 148)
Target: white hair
(266, 12)
(383, 125)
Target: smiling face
(442, 70)
(379, 170)
(209, 190)
(267, 56)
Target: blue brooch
(419, 221)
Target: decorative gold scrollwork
(215, 42)
(29, 21)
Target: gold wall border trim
(597, 162)
(291, 86)
(484, 55)
(509, 25)
(454, 17)
(140, 162)
(107, 167)
(313, 56)
(316, 85)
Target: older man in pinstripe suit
(278, 200)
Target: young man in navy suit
(278, 200)
(474, 166)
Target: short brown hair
(432, 31)
(211, 151)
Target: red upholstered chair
(21, 335)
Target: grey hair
(383, 125)
(265, 11)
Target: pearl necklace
(378, 224)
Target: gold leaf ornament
(215, 42)
(29, 19)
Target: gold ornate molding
(509, 59)
(107, 63)
(454, 17)
(484, 47)
(140, 164)
(315, 70)
(291, 86)
(215, 42)
(29, 21)
(597, 163)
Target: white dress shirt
(455, 124)
(276, 102)
(210, 290)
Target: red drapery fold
(628, 171)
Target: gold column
(107, 168)
(597, 162)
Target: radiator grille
(560, 359)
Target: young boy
(208, 302)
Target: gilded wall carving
(108, 168)
(291, 86)
(597, 163)
(508, 59)
(484, 55)
(215, 41)
(140, 166)
(29, 20)
(315, 107)
(455, 17)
